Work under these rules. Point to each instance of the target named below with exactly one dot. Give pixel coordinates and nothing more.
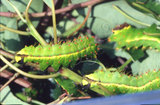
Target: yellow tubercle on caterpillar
(85, 82)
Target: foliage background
(103, 18)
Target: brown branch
(6, 54)
(11, 56)
(83, 23)
(58, 11)
(9, 81)
(8, 14)
(80, 98)
(6, 74)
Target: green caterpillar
(129, 37)
(117, 83)
(60, 54)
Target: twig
(60, 101)
(17, 11)
(80, 98)
(6, 74)
(84, 21)
(121, 68)
(33, 31)
(2, 45)
(27, 99)
(69, 2)
(15, 31)
(63, 98)
(58, 11)
(54, 23)
(11, 56)
(57, 100)
(6, 54)
(151, 34)
(129, 17)
(9, 81)
(145, 9)
(8, 14)
(71, 75)
(4, 67)
(27, 74)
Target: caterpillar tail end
(84, 82)
(18, 58)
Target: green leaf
(68, 85)
(130, 37)
(48, 3)
(36, 6)
(153, 5)
(6, 97)
(136, 53)
(56, 91)
(64, 28)
(87, 67)
(99, 26)
(78, 1)
(11, 40)
(111, 17)
(152, 62)
(122, 53)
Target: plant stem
(152, 34)
(54, 22)
(9, 81)
(2, 45)
(20, 81)
(69, 2)
(129, 17)
(1, 29)
(28, 99)
(6, 54)
(121, 68)
(146, 10)
(33, 31)
(78, 79)
(15, 31)
(17, 11)
(58, 11)
(4, 67)
(84, 21)
(37, 102)
(27, 74)
(71, 75)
